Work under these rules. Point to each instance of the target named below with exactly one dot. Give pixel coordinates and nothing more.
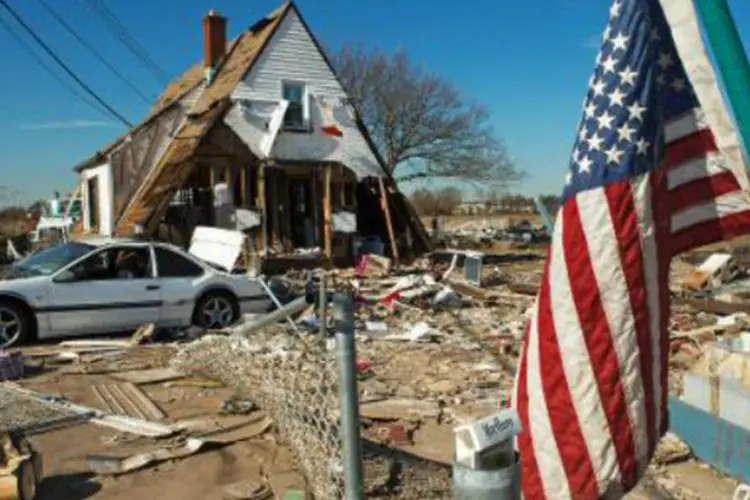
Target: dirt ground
(67, 475)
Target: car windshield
(52, 259)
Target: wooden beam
(389, 225)
(287, 209)
(327, 229)
(243, 185)
(261, 202)
(273, 204)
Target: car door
(113, 289)
(180, 279)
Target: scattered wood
(152, 376)
(714, 306)
(467, 289)
(111, 465)
(524, 288)
(127, 399)
(143, 334)
(384, 263)
(388, 221)
(103, 343)
(400, 409)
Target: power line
(94, 52)
(64, 66)
(48, 69)
(122, 33)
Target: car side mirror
(65, 276)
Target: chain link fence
(293, 377)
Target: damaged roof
(241, 53)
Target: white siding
(290, 55)
(293, 56)
(105, 202)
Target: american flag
(653, 173)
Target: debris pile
(487, 233)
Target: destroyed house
(266, 117)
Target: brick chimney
(214, 42)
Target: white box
(487, 443)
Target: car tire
(216, 310)
(15, 324)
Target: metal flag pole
(731, 58)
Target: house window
(294, 119)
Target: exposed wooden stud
(327, 229)
(263, 240)
(273, 204)
(245, 203)
(286, 207)
(315, 197)
(388, 223)
(243, 185)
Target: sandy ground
(202, 476)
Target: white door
(179, 278)
(114, 289)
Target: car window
(54, 258)
(170, 264)
(115, 263)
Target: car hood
(220, 247)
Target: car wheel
(14, 324)
(216, 310)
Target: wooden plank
(714, 306)
(327, 229)
(148, 376)
(712, 439)
(388, 222)
(524, 288)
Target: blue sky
(529, 61)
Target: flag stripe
(601, 230)
(697, 168)
(695, 145)
(685, 125)
(579, 372)
(710, 230)
(553, 462)
(530, 474)
(702, 190)
(722, 206)
(661, 237)
(598, 340)
(620, 201)
(642, 202)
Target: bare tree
(420, 122)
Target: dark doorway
(93, 202)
